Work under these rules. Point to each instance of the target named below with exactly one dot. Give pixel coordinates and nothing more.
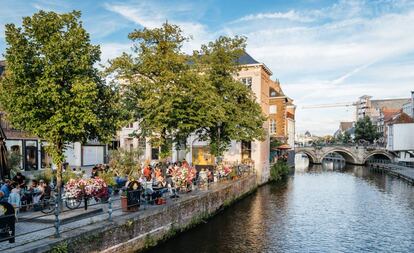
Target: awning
(284, 146)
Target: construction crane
(329, 105)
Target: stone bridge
(351, 154)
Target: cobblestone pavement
(29, 231)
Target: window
(273, 109)
(30, 155)
(247, 81)
(45, 158)
(130, 125)
(272, 126)
(16, 150)
(142, 144)
(155, 153)
(246, 147)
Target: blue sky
(321, 51)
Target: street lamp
(218, 142)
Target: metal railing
(109, 208)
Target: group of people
(20, 195)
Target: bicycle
(48, 204)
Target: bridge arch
(348, 156)
(380, 154)
(312, 157)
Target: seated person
(14, 197)
(38, 192)
(171, 186)
(20, 179)
(5, 188)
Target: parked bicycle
(48, 205)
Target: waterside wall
(134, 232)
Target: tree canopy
(51, 86)
(173, 95)
(365, 130)
(240, 117)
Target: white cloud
(149, 14)
(349, 49)
(290, 15)
(113, 50)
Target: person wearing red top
(147, 172)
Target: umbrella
(4, 170)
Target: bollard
(110, 209)
(57, 222)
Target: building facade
(281, 115)
(400, 139)
(256, 76)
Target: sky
(322, 52)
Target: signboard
(7, 222)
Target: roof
(389, 113)
(246, 59)
(343, 126)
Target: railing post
(110, 209)
(57, 222)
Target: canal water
(327, 208)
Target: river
(329, 208)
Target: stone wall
(137, 231)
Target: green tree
(365, 130)
(238, 116)
(346, 138)
(162, 89)
(51, 87)
(340, 138)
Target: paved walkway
(406, 173)
(29, 231)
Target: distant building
(281, 115)
(408, 108)
(345, 127)
(365, 106)
(304, 140)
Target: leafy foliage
(51, 87)
(174, 95)
(279, 170)
(237, 114)
(365, 130)
(126, 163)
(160, 87)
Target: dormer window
(272, 93)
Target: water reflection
(331, 207)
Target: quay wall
(137, 231)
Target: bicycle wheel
(73, 203)
(47, 205)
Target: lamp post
(218, 142)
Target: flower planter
(124, 203)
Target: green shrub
(279, 170)
(45, 175)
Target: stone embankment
(402, 172)
(137, 231)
